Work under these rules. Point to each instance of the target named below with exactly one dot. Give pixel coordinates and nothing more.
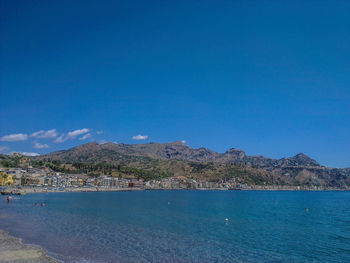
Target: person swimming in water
(9, 198)
(42, 204)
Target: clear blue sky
(268, 77)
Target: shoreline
(14, 250)
(37, 190)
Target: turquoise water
(185, 226)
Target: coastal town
(47, 179)
(29, 180)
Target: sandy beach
(13, 251)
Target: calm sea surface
(184, 226)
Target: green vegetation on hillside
(156, 161)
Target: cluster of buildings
(45, 177)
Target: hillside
(175, 150)
(177, 159)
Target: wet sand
(13, 251)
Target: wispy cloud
(86, 136)
(29, 153)
(3, 149)
(44, 134)
(102, 142)
(38, 145)
(140, 137)
(60, 139)
(14, 137)
(99, 132)
(71, 135)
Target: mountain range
(177, 159)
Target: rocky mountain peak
(300, 159)
(303, 159)
(177, 142)
(236, 153)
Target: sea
(184, 225)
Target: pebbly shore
(12, 250)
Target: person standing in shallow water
(42, 204)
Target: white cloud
(86, 136)
(99, 132)
(44, 134)
(14, 137)
(183, 141)
(140, 137)
(71, 135)
(3, 149)
(60, 139)
(29, 153)
(38, 145)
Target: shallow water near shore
(184, 226)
